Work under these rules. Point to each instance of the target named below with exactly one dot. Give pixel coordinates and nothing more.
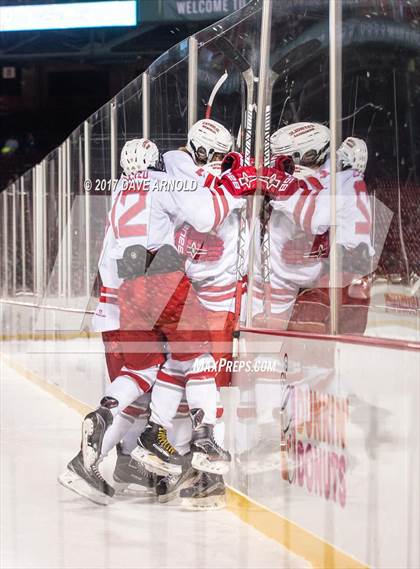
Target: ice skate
(156, 453)
(208, 492)
(87, 483)
(131, 477)
(169, 487)
(93, 430)
(207, 455)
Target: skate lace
(163, 441)
(97, 474)
(216, 446)
(143, 471)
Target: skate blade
(154, 464)
(133, 490)
(76, 484)
(165, 498)
(199, 461)
(88, 453)
(204, 504)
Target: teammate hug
(171, 297)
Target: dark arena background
(308, 291)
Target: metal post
(38, 234)
(22, 232)
(192, 81)
(40, 243)
(5, 243)
(69, 218)
(14, 239)
(335, 28)
(63, 220)
(87, 204)
(34, 235)
(44, 225)
(114, 141)
(145, 81)
(262, 103)
(60, 223)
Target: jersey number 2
(124, 227)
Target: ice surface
(43, 525)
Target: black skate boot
(93, 430)
(169, 487)
(87, 483)
(207, 455)
(156, 453)
(132, 477)
(208, 492)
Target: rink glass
(49, 255)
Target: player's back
(297, 217)
(138, 215)
(354, 215)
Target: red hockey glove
(239, 182)
(232, 161)
(306, 250)
(284, 164)
(197, 246)
(277, 184)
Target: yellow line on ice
(298, 540)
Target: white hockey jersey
(301, 213)
(214, 282)
(145, 211)
(354, 215)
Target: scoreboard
(67, 15)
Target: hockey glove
(306, 250)
(240, 181)
(196, 246)
(232, 161)
(277, 184)
(285, 164)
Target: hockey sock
(202, 394)
(166, 398)
(120, 426)
(129, 441)
(180, 433)
(124, 390)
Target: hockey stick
(214, 93)
(266, 208)
(226, 47)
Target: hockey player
(355, 250)
(207, 140)
(143, 253)
(295, 214)
(215, 284)
(307, 212)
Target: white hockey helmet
(207, 138)
(137, 155)
(307, 143)
(353, 153)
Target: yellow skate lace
(163, 441)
